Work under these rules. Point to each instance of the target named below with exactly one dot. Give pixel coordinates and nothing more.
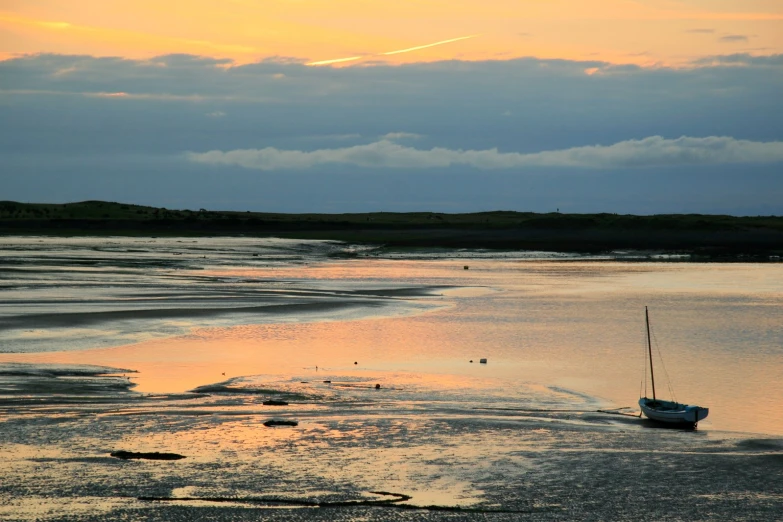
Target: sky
(627, 106)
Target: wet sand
(445, 457)
(170, 360)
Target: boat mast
(649, 350)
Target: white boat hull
(672, 412)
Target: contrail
(430, 45)
(419, 47)
(337, 60)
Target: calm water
(558, 331)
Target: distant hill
(708, 236)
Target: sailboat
(669, 412)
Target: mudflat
(376, 405)
(357, 452)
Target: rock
(125, 455)
(377, 386)
(270, 423)
(273, 402)
(327, 382)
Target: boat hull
(672, 412)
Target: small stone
(270, 423)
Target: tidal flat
(172, 345)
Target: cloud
(188, 60)
(654, 151)
(110, 94)
(729, 38)
(700, 30)
(393, 136)
(521, 105)
(336, 137)
(484, 134)
(470, 84)
(773, 60)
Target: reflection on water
(572, 327)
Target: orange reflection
(574, 326)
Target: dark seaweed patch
(155, 455)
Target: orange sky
(623, 31)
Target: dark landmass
(155, 455)
(709, 237)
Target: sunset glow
(324, 33)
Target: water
(320, 324)
(181, 309)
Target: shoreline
(702, 237)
